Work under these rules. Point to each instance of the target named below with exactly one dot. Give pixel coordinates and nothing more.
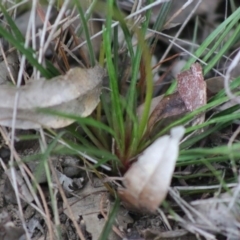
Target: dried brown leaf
(77, 92)
(192, 87)
(89, 208)
(214, 85)
(169, 106)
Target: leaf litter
(77, 92)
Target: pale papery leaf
(89, 208)
(77, 93)
(147, 181)
(219, 214)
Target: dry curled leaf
(192, 89)
(169, 106)
(77, 93)
(214, 85)
(191, 95)
(147, 181)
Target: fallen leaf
(192, 89)
(214, 85)
(169, 106)
(191, 95)
(220, 214)
(69, 184)
(89, 208)
(77, 93)
(147, 181)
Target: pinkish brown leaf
(192, 87)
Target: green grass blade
(193, 140)
(51, 69)
(88, 121)
(160, 21)
(93, 138)
(143, 53)
(12, 25)
(86, 31)
(221, 52)
(111, 218)
(115, 52)
(118, 15)
(91, 151)
(117, 111)
(26, 51)
(211, 39)
(222, 119)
